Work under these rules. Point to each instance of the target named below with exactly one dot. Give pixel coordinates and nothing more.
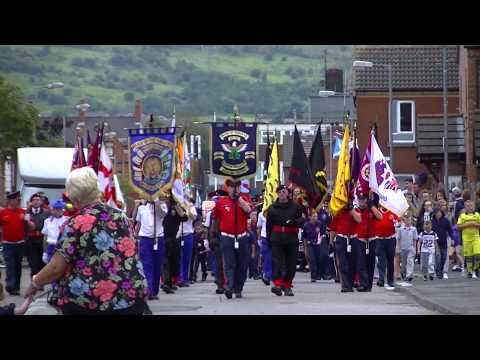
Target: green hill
(198, 79)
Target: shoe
(276, 290)
(344, 290)
(167, 289)
(431, 277)
(455, 268)
(288, 292)
(238, 295)
(469, 275)
(474, 276)
(390, 287)
(425, 278)
(183, 284)
(228, 294)
(410, 279)
(220, 291)
(204, 277)
(193, 281)
(380, 283)
(477, 272)
(174, 287)
(152, 297)
(313, 280)
(256, 277)
(355, 285)
(445, 276)
(266, 281)
(363, 289)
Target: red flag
(94, 153)
(78, 160)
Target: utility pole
(445, 121)
(325, 69)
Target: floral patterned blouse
(104, 271)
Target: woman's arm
(51, 272)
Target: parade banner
(340, 192)
(234, 150)
(383, 182)
(273, 178)
(151, 158)
(363, 177)
(317, 165)
(300, 174)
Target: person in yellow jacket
(469, 224)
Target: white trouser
(428, 263)
(407, 258)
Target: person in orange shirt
(385, 247)
(14, 223)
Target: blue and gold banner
(234, 149)
(152, 161)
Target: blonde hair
(82, 186)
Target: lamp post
(369, 64)
(445, 122)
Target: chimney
(138, 111)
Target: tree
(17, 119)
(128, 96)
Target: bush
(268, 57)
(153, 77)
(255, 73)
(284, 58)
(128, 96)
(89, 63)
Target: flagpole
(331, 156)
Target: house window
(264, 134)
(405, 117)
(260, 168)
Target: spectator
(469, 223)
(406, 238)
(427, 240)
(96, 262)
(442, 227)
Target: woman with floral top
(96, 261)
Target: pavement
(456, 295)
(322, 298)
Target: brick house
(417, 107)
(469, 60)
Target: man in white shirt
(152, 247)
(266, 251)
(185, 233)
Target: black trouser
(441, 257)
(191, 273)
(284, 255)
(365, 263)
(13, 254)
(73, 309)
(34, 249)
(253, 261)
(219, 274)
(345, 261)
(385, 249)
(171, 268)
(200, 259)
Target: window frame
(397, 125)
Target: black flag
(300, 174)
(317, 164)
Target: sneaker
(409, 279)
(380, 283)
(168, 289)
(469, 275)
(431, 277)
(390, 287)
(477, 272)
(228, 294)
(445, 276)
(220, 291)
(183, 284)
(276, 290)
(425, 278)
(474, 276)
(288, 292)
(455, 268)
(266, 281)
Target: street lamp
(326, 93)
(369, 64)
(55, 85)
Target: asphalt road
(322, 298)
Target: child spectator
(406, 237)
(426, 247)
(442, 227)
(200, 246)
(469, 223)
(51, 229)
